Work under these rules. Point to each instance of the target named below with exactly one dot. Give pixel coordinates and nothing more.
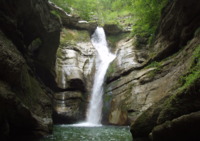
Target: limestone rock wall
(140, 77)
(123, 76)
(75, 65)
(177, 44)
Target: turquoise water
(102, 133)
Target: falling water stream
(104, 58)
(91, 129)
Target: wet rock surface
(75, 65)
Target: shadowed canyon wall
(47, 58)
(29, 37)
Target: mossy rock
(111, 69)
(184, 100)
(114, 39)
(71, 37)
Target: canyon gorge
(47, 69)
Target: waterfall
(104, 58)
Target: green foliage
(157, 68)
(194, 74)
(186, 98)
(154, 64)
(146, 15)
(56, 14)
(111, 69)
(83, 8)
(65, 5)
(142, 14)
(72, 36)
(113, 39)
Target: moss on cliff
(114, 39)
(56, 14)
(69, 36)
(183, 100)
(111, 69)
(157, 68)
(186, 98)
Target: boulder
(184, 128)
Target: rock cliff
(154, 88)
(29, 37)
(33, 77)
(75, 66)
(149, 85)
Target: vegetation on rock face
(194, 74)
(142, 15)
(113, 40)
(55, 13)
(146, 15)
(69, 36)
(184, 100)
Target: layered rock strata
(75, 65)
(141, 77)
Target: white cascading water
(104, 58)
